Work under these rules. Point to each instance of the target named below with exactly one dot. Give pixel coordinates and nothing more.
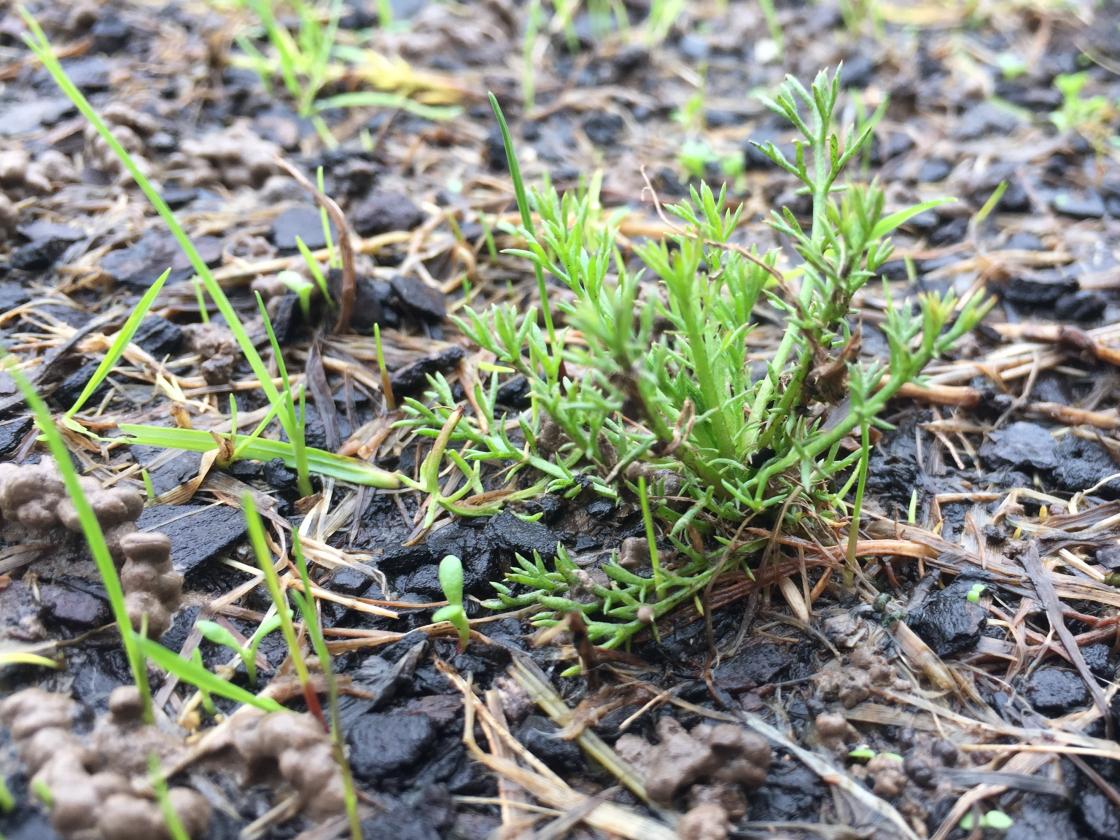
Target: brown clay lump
(217, 348)
(91, 798)
(152, 587)
(33, 497)
(720, 753)
(295, 746)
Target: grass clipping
(653, 383)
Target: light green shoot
(383, 370)
(384, 13)
(119, 344)
(526, 222)
(272, 583)
(200, 299)
(91, 529)
(325, 221)
(451, 582)
(194, 674)
(220, 635)
(171, 819)
(7, 801)
(296, 419)
(255, 448)
(974, 593)
(772, 24)
(651, 534)
(305, 603)
(316, 272)
(301, 287)
(149, 488)
(41, 792)
(994, 820)
(207, 700)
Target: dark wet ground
(1031, 425)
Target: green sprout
(296, 417)
(116, 348)
(1090, 116)
(7, 801)
(861, 753)
(975, 592)
(207, 701)
(317, 274)
(451, 582)
(219, 635)
(279, 600)
(298, 285)
(995, 820)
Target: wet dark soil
(938, 653)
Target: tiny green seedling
(994, 820)
(451, 582)
(7, 801)
(219, 635)
(975, 592)
(301, 287)
(41, 792)
(207, 701)
(864, 753)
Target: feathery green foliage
(661, 386)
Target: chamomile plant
(647, 374)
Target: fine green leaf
(196, 675)
(120, 343)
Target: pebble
(303, 221)
(382, 744)
(1022, 445)
(1082, 205)
(383, 212)
(947, 621)
(1055, 691)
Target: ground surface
(1013, 449)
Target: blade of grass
(196, 675)
(279, 599)
(120, 343)
(254, 448)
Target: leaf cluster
(645, 369)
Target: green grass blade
(319, 461)
(194, 674)
(120, 342)
(895, 220)
(377, 99)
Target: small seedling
(219, 635)
(298, 285)
(995, 820)
(207, 701)
(116, 349)
(7, 801)
(975, 592)
(451, 582)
